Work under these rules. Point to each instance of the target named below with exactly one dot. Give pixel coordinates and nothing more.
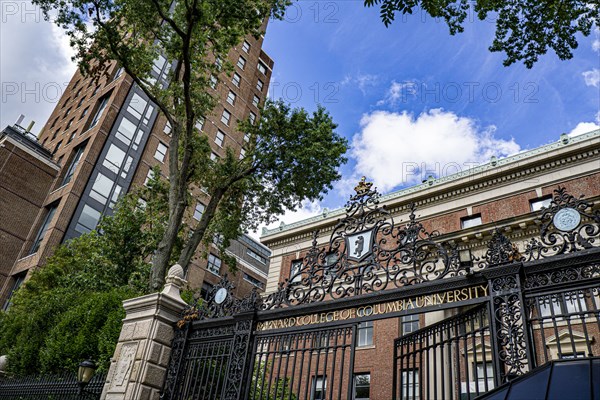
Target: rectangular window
(252, 118)
(167, 129)
(468, 222)
(214, 264)
(255, 101)
(114, 160)
(18, 281)
(262, 68)
(205, 290)
(319, 388)
(42, 231)
(241, 62)
(101, 188)
(410, 385)
(225, 117)
(253, 280)
(246, 137)
(485, 374)
(256, 256)
(295, 271)
(198, 211)
(242, 153)
(99, 112)
(236, 79)
(231, 98)
(219, 138)
(362, 387)
(73, 165)
(149, 176)
(137, 105)
(213, 81)
(126, 131)
(88, 220)
(246, 46)
(214, 156)
(219, 63)
(410, 323)
(200, 124)
(538, 204)
(365, 334)
(161, 152)
(259, 85)
(558, 305)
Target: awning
(574, 379)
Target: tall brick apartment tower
(106, 137)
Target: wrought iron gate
(309, 364)
(451, 359)
(532, 304)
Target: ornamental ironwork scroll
(513, 356)
(500, 251)
(219, 303)
(366, 253)
(568, 225)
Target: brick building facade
(465, 208)
(102, 139)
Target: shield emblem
(359, 245)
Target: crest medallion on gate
(359, 245)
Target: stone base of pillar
(139, 365)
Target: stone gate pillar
(138, 367)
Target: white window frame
(161, 151)
(470, 221)
(226, 117)
(220, 138)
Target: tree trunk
(190, 247)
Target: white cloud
(362, 81)
(398, 148)
(592, 77)
(308, 210)
(596, 45)
(399, 92)
(585, 127)
(35, 64)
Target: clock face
(567, 219)
(221, 295)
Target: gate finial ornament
(363, 187)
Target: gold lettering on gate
(450, 296)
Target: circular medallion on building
(221, 295)
(567, 219)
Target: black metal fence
(450, 360)
(50, 387)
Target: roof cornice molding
(527, 164)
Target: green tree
(71, 309)
(525, 29)
(280, 168)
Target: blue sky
(412, 94)
(411, 99)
